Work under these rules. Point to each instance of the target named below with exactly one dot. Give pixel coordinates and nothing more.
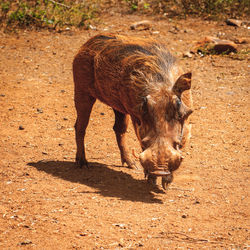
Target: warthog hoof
(81, 163)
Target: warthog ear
(183, 83)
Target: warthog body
(141, 79)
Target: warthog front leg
(83, 104)
(120, 128)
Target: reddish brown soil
(47, 203)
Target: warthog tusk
(134, 154)
(166, 180)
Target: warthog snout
(160, 161)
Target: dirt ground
(48, 203)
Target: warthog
(141, 79)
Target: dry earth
(47, 203)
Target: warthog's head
(161, 128)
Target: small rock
(65, 119)
(59, 127)
(83, 234)
(21, 127)
(153, 219)
(214, 45)
(21, 189)
(241, 40)
(39, 110)
(92, 27)
(120, 225)
(142, 25)
(184, 216)
(187, 54)
(101, 113)
(188, 31)
(233, 22)
(26, 242)
(2, 95)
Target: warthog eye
(177, 145)
(178, 104)
(145, 106)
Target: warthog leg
(151, 179)
(84, 104)
(120, 128)
(166, 176)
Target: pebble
(21, 127)
(211, 45)
(83, 234)
(187, 54)
(120, 225)
(142, 25)
(39, 110)
(26, 242)
(234, 22)
(92, 27)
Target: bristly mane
(129, 68)
(147, 63)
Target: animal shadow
(107, 181)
